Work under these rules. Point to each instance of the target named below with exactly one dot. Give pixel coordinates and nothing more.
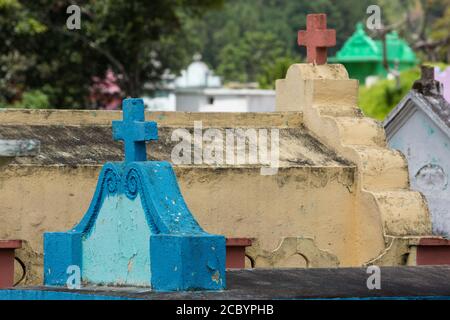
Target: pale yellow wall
(297, 202)
(51, 199)
(385, 208)
(310, 203)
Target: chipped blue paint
(430, 130)
(138, 229)
(124, 262)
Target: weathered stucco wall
(314, 203)
(427, 149)
(34, 200)
(310, 201)
(386, 210)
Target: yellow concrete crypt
(387, 217)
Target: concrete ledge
(396, 283)
(164, 119)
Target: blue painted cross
(134, 131)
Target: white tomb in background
(199, 90)
(224, 100)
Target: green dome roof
(360, 47)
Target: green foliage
(34, 99)
(423, 23)
(245, 60)
(249, 40)
(139, 40)
(440, 32)
(378, 100)
(274, 71)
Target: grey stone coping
(264, 284)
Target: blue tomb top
(138, 230)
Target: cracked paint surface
(117, 250)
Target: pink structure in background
(105, 93)
(444, 78)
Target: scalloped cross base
(138, 230)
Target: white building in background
(163, 103)
(224, 100)
(198, 75)
(197, 89)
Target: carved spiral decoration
(112, 181)
(132, 184)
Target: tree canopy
(250, 40)
(135, 43)
(139, 40)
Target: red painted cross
(317, 38)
